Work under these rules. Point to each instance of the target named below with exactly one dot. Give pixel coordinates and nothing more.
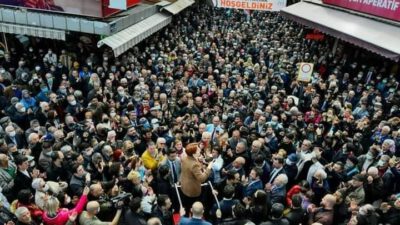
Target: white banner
(264, 5)
(118, 4)
(305, 72)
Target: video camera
(122, 197)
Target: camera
(122, 197)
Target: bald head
(92, 207)
(154, 221)
(197, 209)
(328, 201)
(373, 171)
(96, 190)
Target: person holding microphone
(194, 173)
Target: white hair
(21, 211)
(367, 209)
(322, 172)
(282, 179)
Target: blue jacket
(253, 187)
(193, 221)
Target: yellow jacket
(150, 162)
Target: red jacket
(294, 190)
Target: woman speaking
(193, 174)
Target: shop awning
(129, 37)
(32, 31)
(373, 35)
(178, 6)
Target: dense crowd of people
(207, 120)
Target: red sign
(92, 8)
(389, 9)
(315, 35)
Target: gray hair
(21, 211)
(282, 179)
(367, 209)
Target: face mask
(122, 93)
(381, 163)
(67, 200)
(73, 102)
(36, 128)
(113, 114)
(46, 188)
(22, 110)
(30, 50)
(11, 134)
(369, 156)
(288, 162)
(37, 68)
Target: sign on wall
(93, 8)
(389, 9)
(264, 5)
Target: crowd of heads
(219, 85)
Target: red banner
(92, 8)
(315, 35)
(389, 9)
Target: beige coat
(192, 176)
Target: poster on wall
(389, 9)
(263, 5)
(92, 8)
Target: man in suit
(174, 164)
(197, 211)
(276, 191)
(235, 139)
(24, 178)
(214, 128)
(226, 203)
(12, 137)
(277, 164)
(236, 165)
(255, 182)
